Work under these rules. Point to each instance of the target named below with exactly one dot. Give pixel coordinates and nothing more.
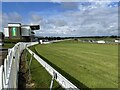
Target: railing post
(1, 76)
(30, 64)
(26, 54)
(52, 81)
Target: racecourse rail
(9, 71)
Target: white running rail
(9, 71)
(58, 77)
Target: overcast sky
(64, 18)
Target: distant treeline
(101, 37)
(60, 38)
(36, 38)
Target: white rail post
(1, 76)
(26, 54)
(26, 51)
(52, 81)
(30, 62)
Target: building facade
(18, 31)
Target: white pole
(52, 81)
(30, 62)
(1, 76)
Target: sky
(72, 19)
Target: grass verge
(8, 45)
(39, 77)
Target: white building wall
(117, 41)
(101, 41)
(26, 31)
(6, 32)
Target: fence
(9, 71)
(57, 76)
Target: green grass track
(94, 65)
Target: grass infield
(85, 64)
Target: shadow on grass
(37, 80)
(22, 74)
(35, 68)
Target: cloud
(98, 1)
(69, 5)
(11, 17)
(0, 21)
(101, 20)
(56, 1)
(35, 19)
(88, 19)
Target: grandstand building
(18, 31)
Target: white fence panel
(60, 79)
(9, 71)
(1, 77)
